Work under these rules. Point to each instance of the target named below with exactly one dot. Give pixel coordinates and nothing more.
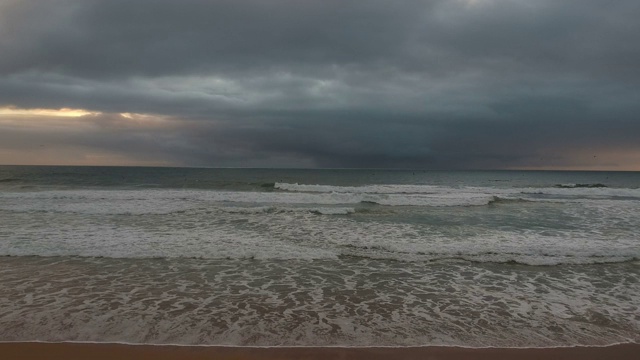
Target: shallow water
(348, 301)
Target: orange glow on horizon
(592, 160)
(63, 112)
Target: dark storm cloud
(155, 38)
(437, 84)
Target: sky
(426, 84)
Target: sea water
(319, 257)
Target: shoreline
(98, 351)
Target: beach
(73, 351)
(313, 262)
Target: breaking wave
(438, 191)
(365, 189)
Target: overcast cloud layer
(447, 84)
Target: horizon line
(308, 168)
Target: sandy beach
(26, 350)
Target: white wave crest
(323, 198)
(168, 201)
(366, 189)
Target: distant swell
(503, 200)
(276, 210)
(573, 186)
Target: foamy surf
(357, 302)
(302, 258)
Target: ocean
(285, 257)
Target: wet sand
(72, 351)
